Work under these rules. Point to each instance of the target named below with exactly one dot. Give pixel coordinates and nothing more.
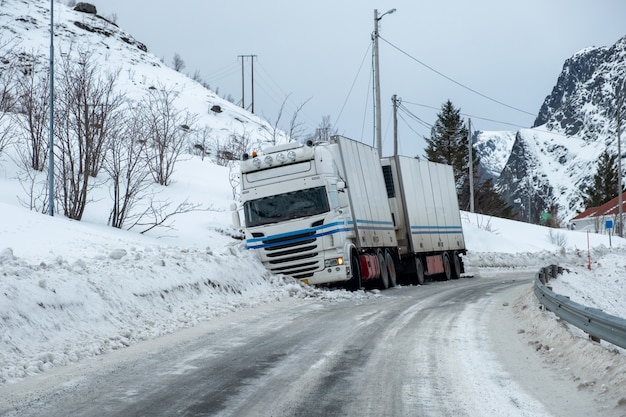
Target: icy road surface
(443, 349)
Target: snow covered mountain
(25, 34)
(550, 164)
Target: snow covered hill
(25, 36)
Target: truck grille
(293, 255)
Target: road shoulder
(550, 362)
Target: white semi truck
(334, 212)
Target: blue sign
(609, 224)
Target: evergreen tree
(488, 201)
(604, 186)
(448, 144)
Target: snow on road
(72, 291)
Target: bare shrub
(557, 238)
(86, 110)
(167, 132)
(127, 167)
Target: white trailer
(322, 213)
(423, 200)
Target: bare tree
(324, 130)
(33, 182)
(33, 94)
(296, 127)
(127, 168)
(275, 129)
(234, 178)
(178, 62)
(85, 106)
(237, 145)
(7, 94)
(168, 129)
(158, 214)
(201, 146)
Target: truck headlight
(333, 262)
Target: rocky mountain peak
(583, 99)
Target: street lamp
(51, 139)
(377, 18)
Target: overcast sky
(320, 51)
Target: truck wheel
(456, 263)
(354, 284)
(419, 271)
(447, 268)
(384, 272)
(391, 269)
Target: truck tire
(456, 266)
(391, 269)
(419, 271)
(354, 284)
(447, 268)
(384, 272)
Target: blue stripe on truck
(426, 230)
(336, 227)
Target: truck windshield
(280, 207)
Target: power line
(224, 72)
(470, 115)
(454, 81)
(352, 86)
(422, 122)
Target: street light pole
(51, 103)
(379, 143)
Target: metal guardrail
(596, 323)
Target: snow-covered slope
(547, 169)
(494, 148)
(547, 166)
(25, 30)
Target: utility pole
(379, 141)
(51, 138)
(619, 99)
(471, 164)
(243, 90)
(243, 57)
(396, 101)
(529, 199)
(252, 75)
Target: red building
(594, 219)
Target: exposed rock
(583, 99)
(86, 8)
